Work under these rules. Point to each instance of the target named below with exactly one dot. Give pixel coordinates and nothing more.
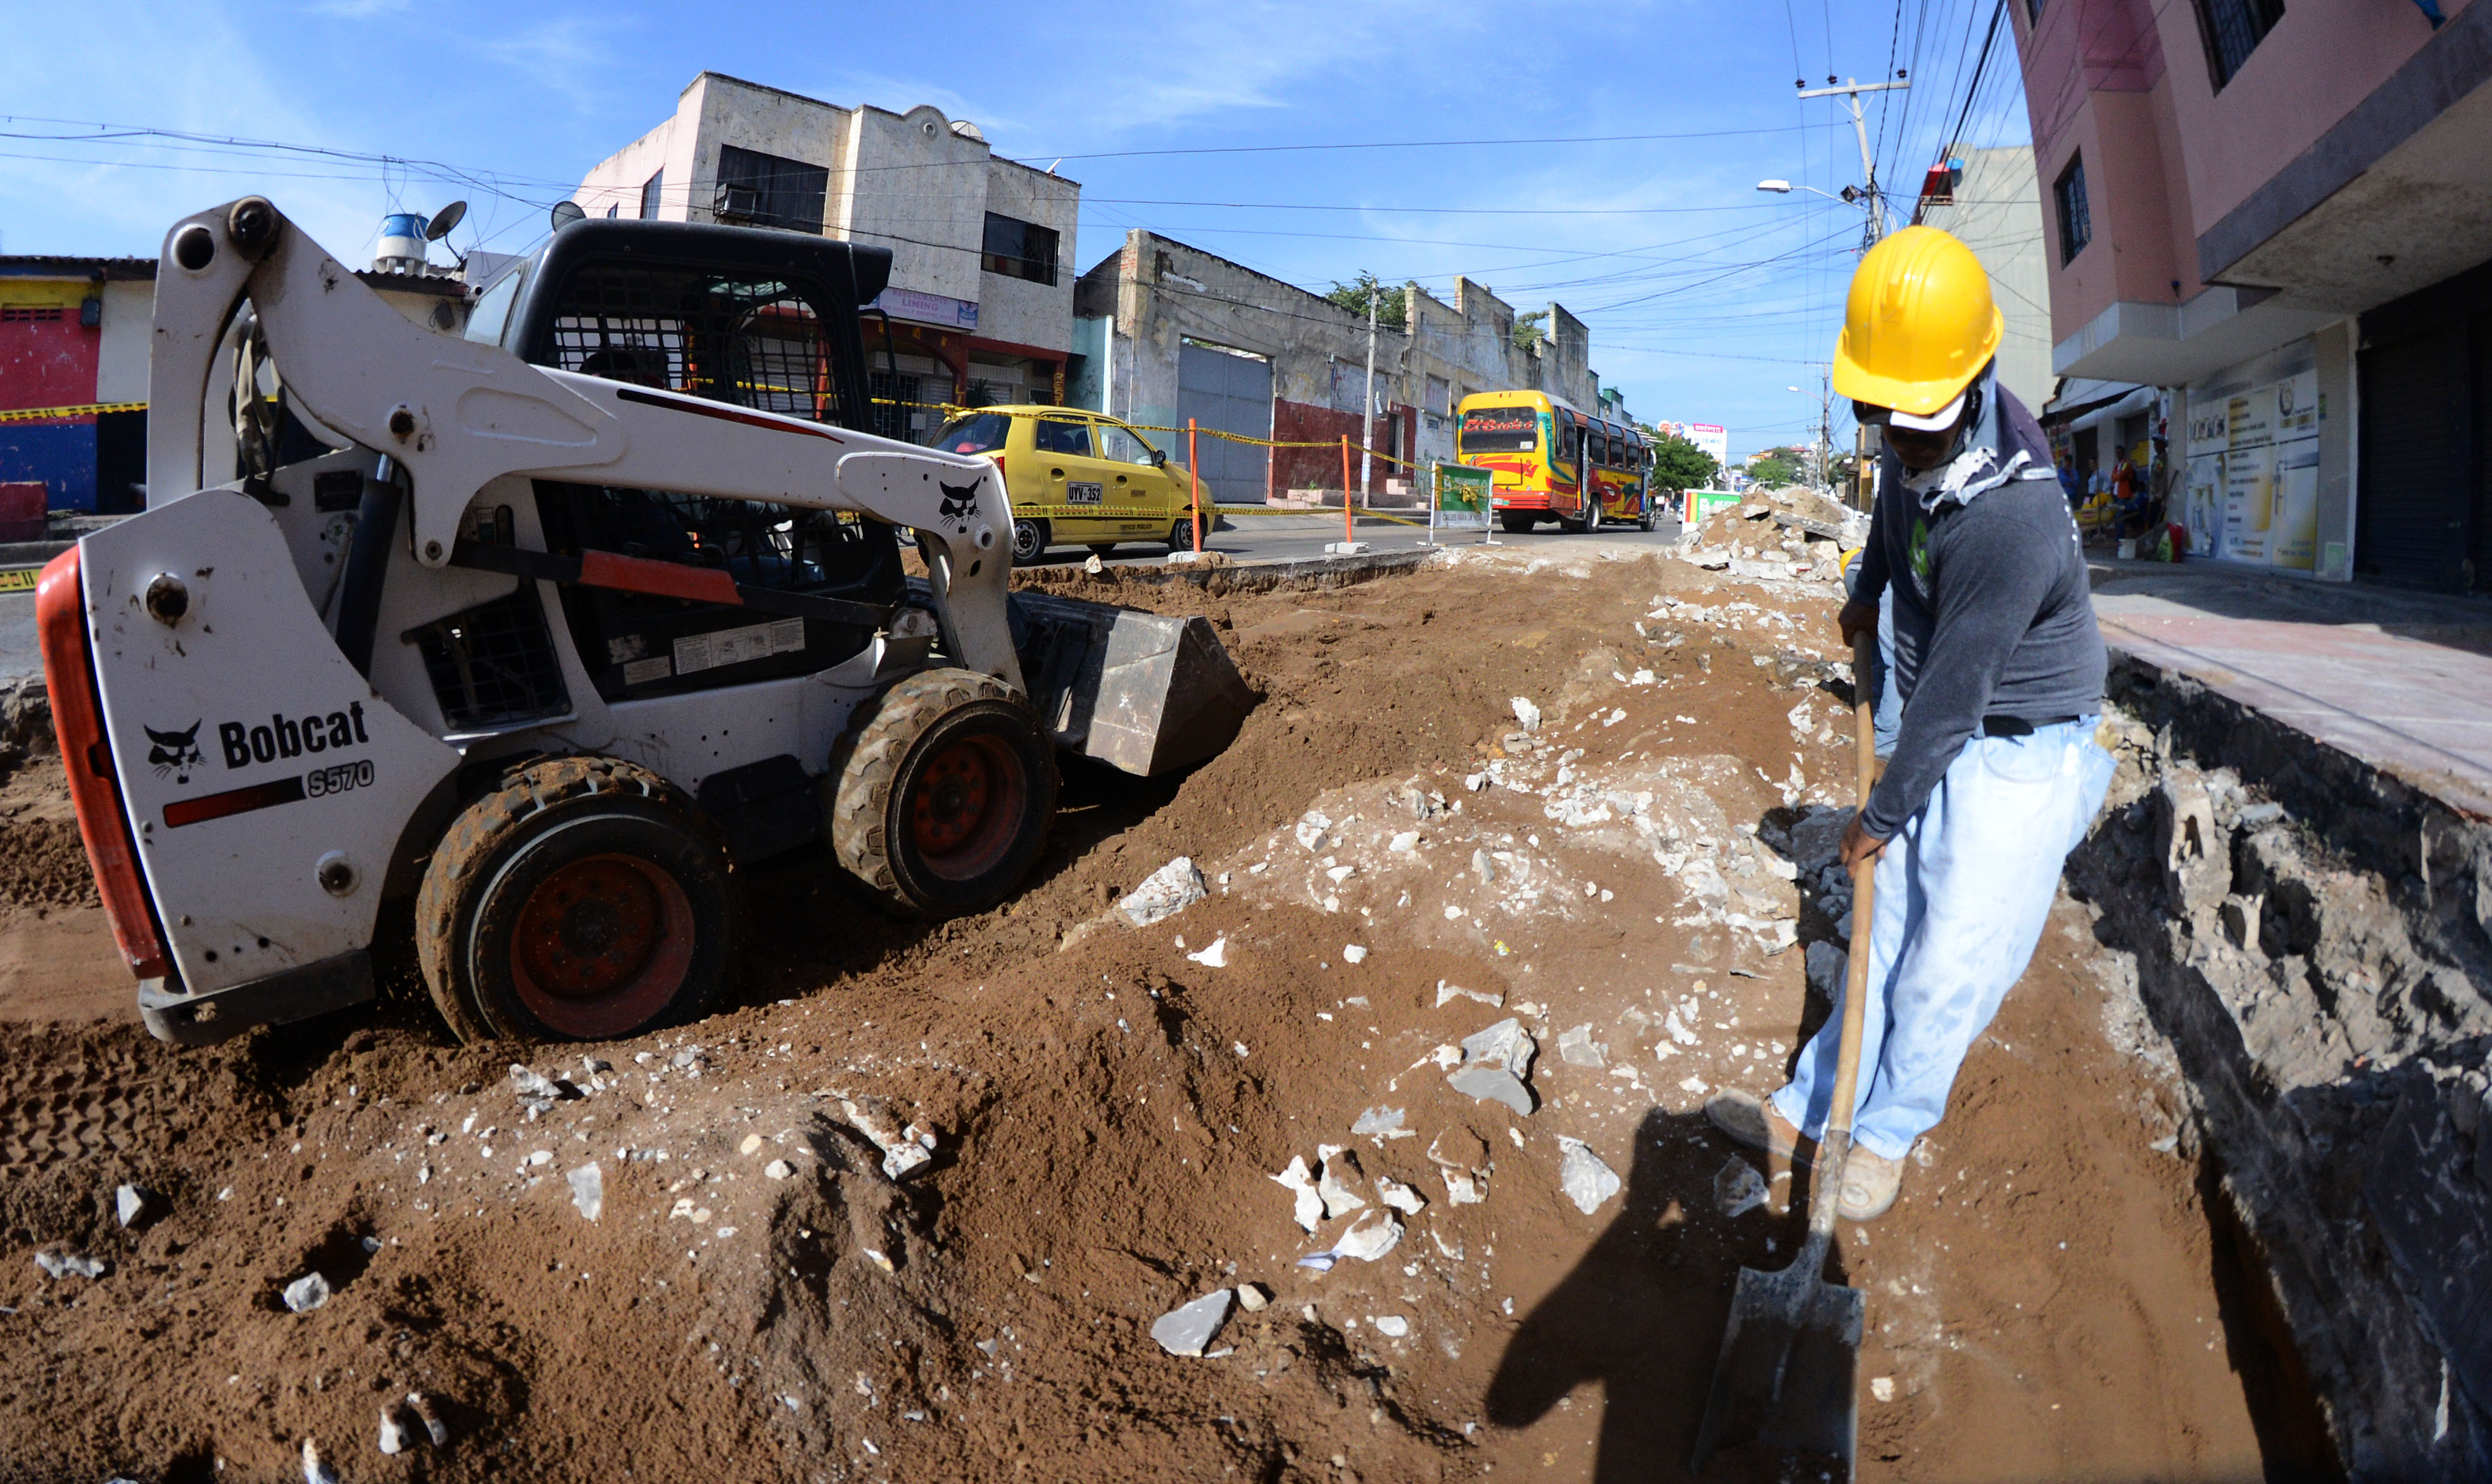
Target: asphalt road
(1293, 537)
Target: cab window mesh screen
(752, 341)
(493, 664)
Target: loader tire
(583, 900)
(943, 796)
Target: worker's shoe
(1870, 1181)
(1752, 1120)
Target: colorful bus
(1547, 461)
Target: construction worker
(1994, 775)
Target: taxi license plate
(1081, 493)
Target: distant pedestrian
(2000, 666)
(2069, 484)
(2097, 483)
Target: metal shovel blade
(1788, 1366)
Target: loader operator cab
(762, 319)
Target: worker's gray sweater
(1993, 615)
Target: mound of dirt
(1591, 794)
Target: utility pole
(1367, 416)
(1851, 93)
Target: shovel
(1787, 1375)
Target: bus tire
(1517, 523)
(1592, 515)
(1029, 542)
(1645, 520)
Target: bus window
(1500, 431)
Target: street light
(1851, 195)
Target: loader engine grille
(750, 341)
(493, 665)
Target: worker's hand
(1858, 844)
(1857, 617)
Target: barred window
(758, 190)
(1019, 250)
(2232, 30)
(653, 195)
(2076, 224)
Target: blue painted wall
(62, 455)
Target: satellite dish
(444, 220)
(565, 213)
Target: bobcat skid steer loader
(548, 627)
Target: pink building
(2283, 216)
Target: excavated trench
(2207, 1203)
(2309, 937)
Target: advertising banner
(2251, 491)
(1462, 498)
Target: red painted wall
(1320, 468)
(46, 357)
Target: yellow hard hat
(1918, 324)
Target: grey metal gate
(1233, 393)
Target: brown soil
(2043, 1303)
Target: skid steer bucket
(1135, 691)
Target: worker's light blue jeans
(1962, 893)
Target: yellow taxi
(1078, 479)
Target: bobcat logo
(958, 504)
(174, 751)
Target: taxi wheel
(1181, 535)
(1029, 542)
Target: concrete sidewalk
(2399, 679)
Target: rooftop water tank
(402, 243)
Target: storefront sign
(2251, 491)
(927, 308)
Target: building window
(1439, 397)
(653, 195)
(1019, 250)
(2232, 30)
(2034, 11)
(758, 190)
(2076, 224)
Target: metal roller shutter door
(2411, 522)
(1233, 394)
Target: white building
(981, 295)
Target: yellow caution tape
(82, 409)
(19, 580)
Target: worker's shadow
(1643, 1313)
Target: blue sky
(1706, 299)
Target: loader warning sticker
(735, 646)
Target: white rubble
(133, 1206)
(1446, 992)
(1353, 954)
(1583, 1177)
(1401, 1197)
(307, 1293)
(588, 1189)
(69, 1264)
(1163, 893)
(1381, 1123)
(1577, 1047)
(1373, 1233)
(904, 1148)
(1187, 1329)
(1301, 1182)
(1527, 713)
(1216, 956)
(1338, 1180)
(1392, 1326)
(1496, 1064)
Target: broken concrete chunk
(306, 1293)
(1186, 1331)
(136, 1207)
(69, 1264)
(393, 1435)
(1577, 1049)
(315, 1472)
(1506, 1044)
(1312, 829)
(1401, 1197)
(778, 1169)
(1583, 1177)
(1527, 713)
(1214, 957)
(1301, 1183)
(1828, 968)
(1492, 1085)
(1392, 1326)
(1163, 893)
(750, 1147)
(538, 1091)
(1482, 867)
(1381, 1123)
(1447, 992)
(1373, 1233)
(904, 1148)
(1339, 1180)
(1253, 1297)
(434, 1427)
(588, 1189)
(1462, 1186)
(1737, 1188)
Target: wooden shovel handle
(1835, 1148)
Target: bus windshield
(1500, 431)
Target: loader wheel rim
(966, 809)
(601, 942)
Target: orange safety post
(1194, 475)
(1347, 533)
